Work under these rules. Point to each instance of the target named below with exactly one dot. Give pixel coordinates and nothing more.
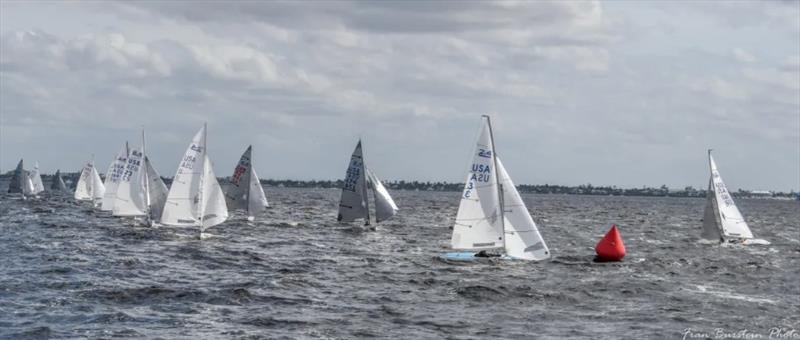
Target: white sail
(215, 211)
(478, 224)
(15, 185)
(732, 223)
(130, 199)
(158, 190)
(352, 205)
(257, 201)
(182, 205)
(36, 179)
(28, 188)
(523, 240)
(83, 190)
(384, 204)
(113, 175)
(98, 189)
(195, 197)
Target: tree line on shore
(583, 189)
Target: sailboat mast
(143, 166)
(202, 176)
(249, 178)
(364, 187)
(497, 180)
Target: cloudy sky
(610, 93)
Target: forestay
(384, 204)
(477, 224)
(352, 205)
(113, 175)
(731, 221)
(523, 240)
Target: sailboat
(722, 220)
(141, 191)
(245, 191)
(90, 186)
(21, 182)
(354, 203)
(113, 174)
(58, 182)
(492, 218)
(195, 198)
(36, 180)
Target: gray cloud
(607, 93)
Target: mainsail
(523, 240)
(245, 191)
(384, 204)
(195, 197)
(130, 199)
(113, 175)
(36, 179)
(353, 203)
(729, 220)
(58, 182)
(478, 224)
(15, 186)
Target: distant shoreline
(584, 189)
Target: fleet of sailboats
(354, 203)
(492, 219)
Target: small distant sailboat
(721, 219)
(114, 173)
(58, 182)
(90, 186)
(141, 190)
(492, 216)
(16, 183)
(195, 198)
(354, 203)
(36, 180)
(245, 191)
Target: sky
(623, 93)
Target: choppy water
(67, 271)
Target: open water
(67, 271)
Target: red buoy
(610, 248)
